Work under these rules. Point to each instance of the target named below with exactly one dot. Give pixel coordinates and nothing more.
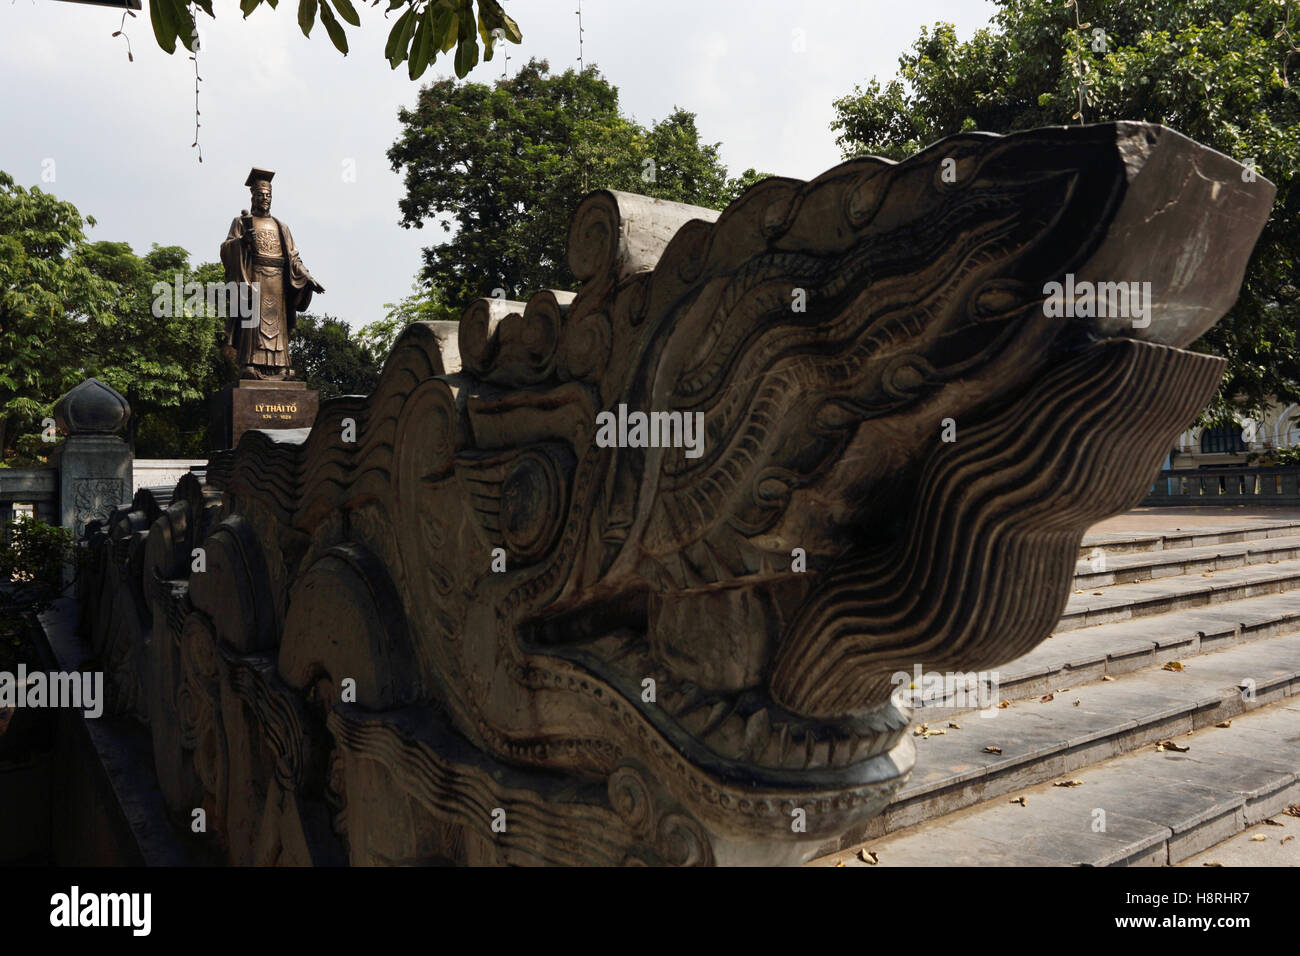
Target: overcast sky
(115, 136)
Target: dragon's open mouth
(740, 736)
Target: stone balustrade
(1265, 485)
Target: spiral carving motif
(593, 236)
(683, 842)
(532, 500)
(631, 799)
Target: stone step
(1087, 654)
(1274, 841)
(1128, 567)
(1120, 542)
(1042, 741)
(1146, 807)
(1120, 602)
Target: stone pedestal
(94, 465)
(94, 478)
(258, 404)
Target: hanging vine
(194, 57)
(1080, 68)
(121, 32)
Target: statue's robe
(284, 287)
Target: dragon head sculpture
(877, 411)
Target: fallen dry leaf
(1076, 703)
(1274, 823)
(992, 750)
(1226, 723)
(1293, 811)
(1170, 745)
(1020, 800)
(1288, 837)
(1107, 679)
(1172, 666)
(839, 862)
(1004, 705)
(1068, 783)
(1212, 863)
(954, 725)
(1258, 838)
(1096, 594)
(868, 857)
(1046, 697)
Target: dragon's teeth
(758, 730)
(783, 752)
(861, 745)
(819, 754)
(716, 715)
(772, 749)
(729, 737)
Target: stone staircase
(1190, 641)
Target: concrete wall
(162, 472)
(29, 486)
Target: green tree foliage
(1219, 71)
(181, 430)
(424, 304)
(424, 29)
(508, 163)
(160, 351)
(31, 577)
(50, 303)
(748, 178)
(324, 354)
(71, 309)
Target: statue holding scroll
(259, 252)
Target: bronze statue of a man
(259, 252)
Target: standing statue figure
(259, 252)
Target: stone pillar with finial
(94, 464)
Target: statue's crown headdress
(259, 176)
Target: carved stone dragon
(471, 634)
